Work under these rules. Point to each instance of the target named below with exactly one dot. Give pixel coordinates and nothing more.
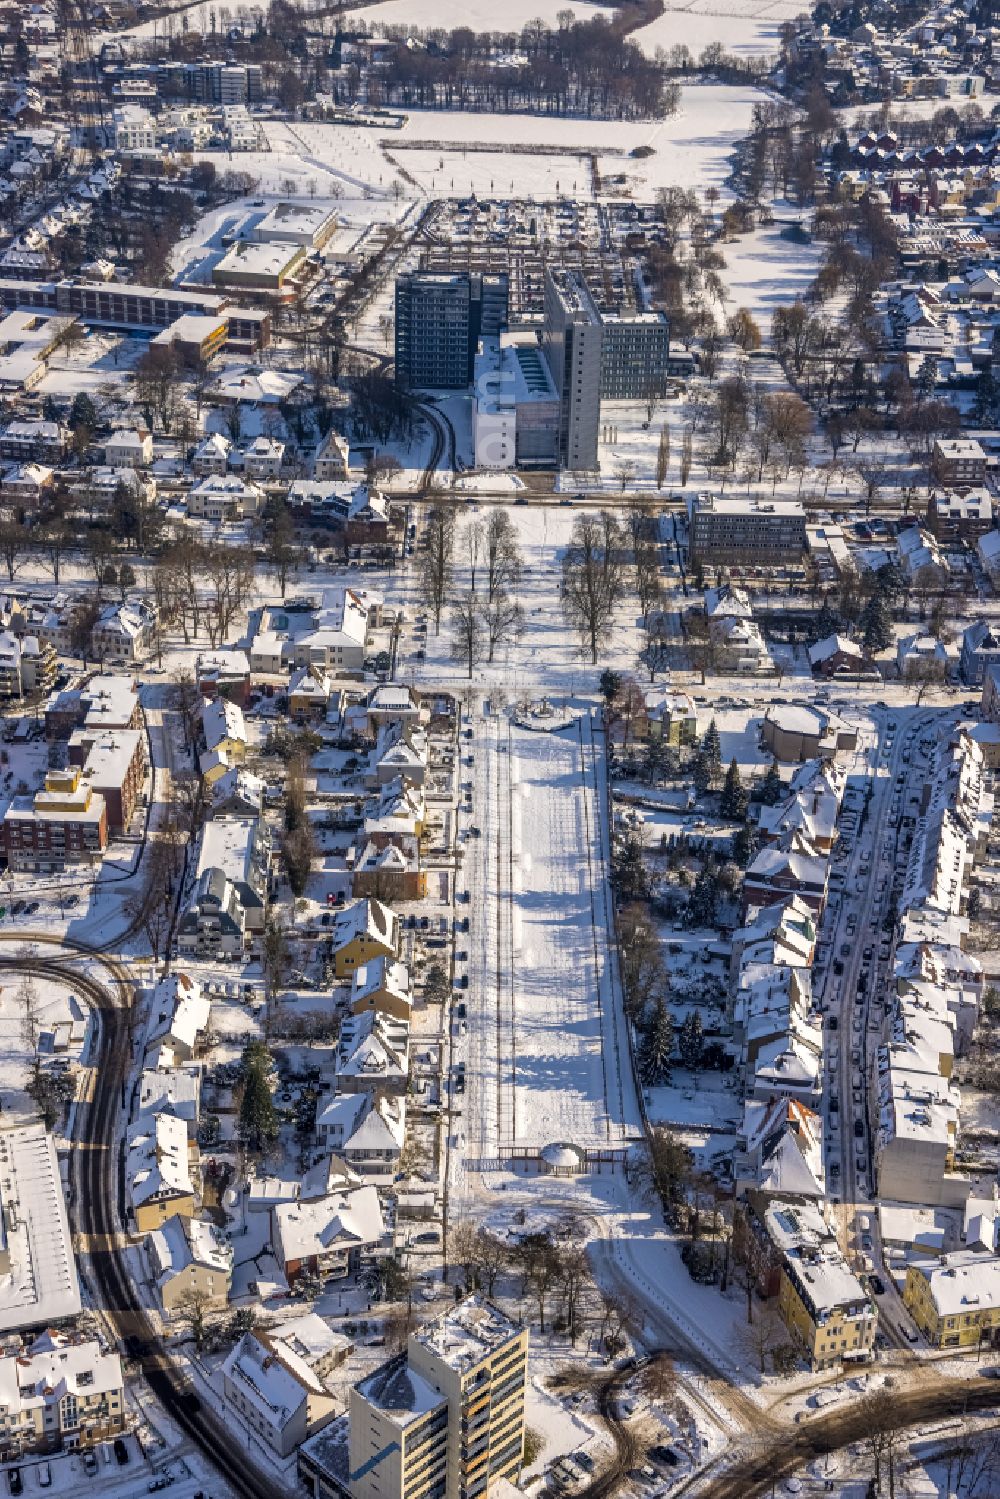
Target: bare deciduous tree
(435, 564)
(593, 577)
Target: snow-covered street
(547, 1052)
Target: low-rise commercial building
(955, 1300)
(730, 531)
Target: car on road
(877, 1284)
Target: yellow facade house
(955, 1300)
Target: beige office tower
(444, 1420)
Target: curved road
(95, 1179)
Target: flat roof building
(308, 224)
(730, 531)
(445, 1420)
(263, 267)
(440, 318)
(38, 1279)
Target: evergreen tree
(657, 1046)
(83, 412)
(734, 795)
(701, 905)
(258, 1123)
(744, 845)
(828, 622)
(692, 1041)
(628, 872)
(712, 746)
(701, 773)
(876, 624)
(771, 787)
(611, 686)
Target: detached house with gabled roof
(124, 632)
(158, 1171)
(309, 693)
(365, 1129)
(275, 1392)
(400, 751)
(366, 930)
(327, 1234)
(390, 871)
(373, 1052)
(382, 984)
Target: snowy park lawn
(765, 270)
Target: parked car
(121, 1452)
(14, 1481)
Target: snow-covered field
(478, 15)
(748, 28)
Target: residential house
(224, 673)
(327, 1235)
(839, 656)
(382, 984)
(224, 497)
(366, 930)
(373, 1052)
(390, 871)
(921, 559)
(980, 650)
(820, 1299)
(262, 460)
(158, 1171)
(129, 448)
(275, 1393)
(124, 633)
(921, 657)
(224, 730)
(237, 793)
(178, 1016)
(365, 1130)
(190, 1258)
(61, 1391)
(955, 1299)
(211, 456)
(309, 694)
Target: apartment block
(64, 823)
(444, 1420)
(61, 1392)
(958, 460)
(955, 1300)
(820, 1299)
